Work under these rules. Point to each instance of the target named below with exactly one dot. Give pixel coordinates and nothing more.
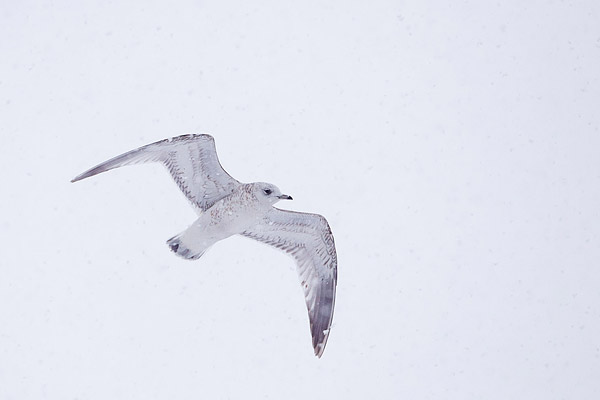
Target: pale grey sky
(453, 147)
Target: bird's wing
(308, 238)
(191, 160)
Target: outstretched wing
(191, 160)
(308, 238)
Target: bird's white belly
(224, 219)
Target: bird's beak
(285, 197)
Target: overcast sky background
(454, 148)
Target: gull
(226, 207)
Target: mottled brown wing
(191, 160)
(307, 238)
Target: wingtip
(319, 349)
(78, 178)
(319, 346)
(90, 172)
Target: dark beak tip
(285, 197)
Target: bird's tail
(178, 245)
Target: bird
(227, 207)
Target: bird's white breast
(235, 213)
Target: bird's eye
(267, 191)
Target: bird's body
(229, 216)
(227, 207)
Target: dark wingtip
(90, 172)
(319, 349)
(80, 177)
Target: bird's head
(268, 193)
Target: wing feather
(192, 162)
(308, 239)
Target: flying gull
(227, 207)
